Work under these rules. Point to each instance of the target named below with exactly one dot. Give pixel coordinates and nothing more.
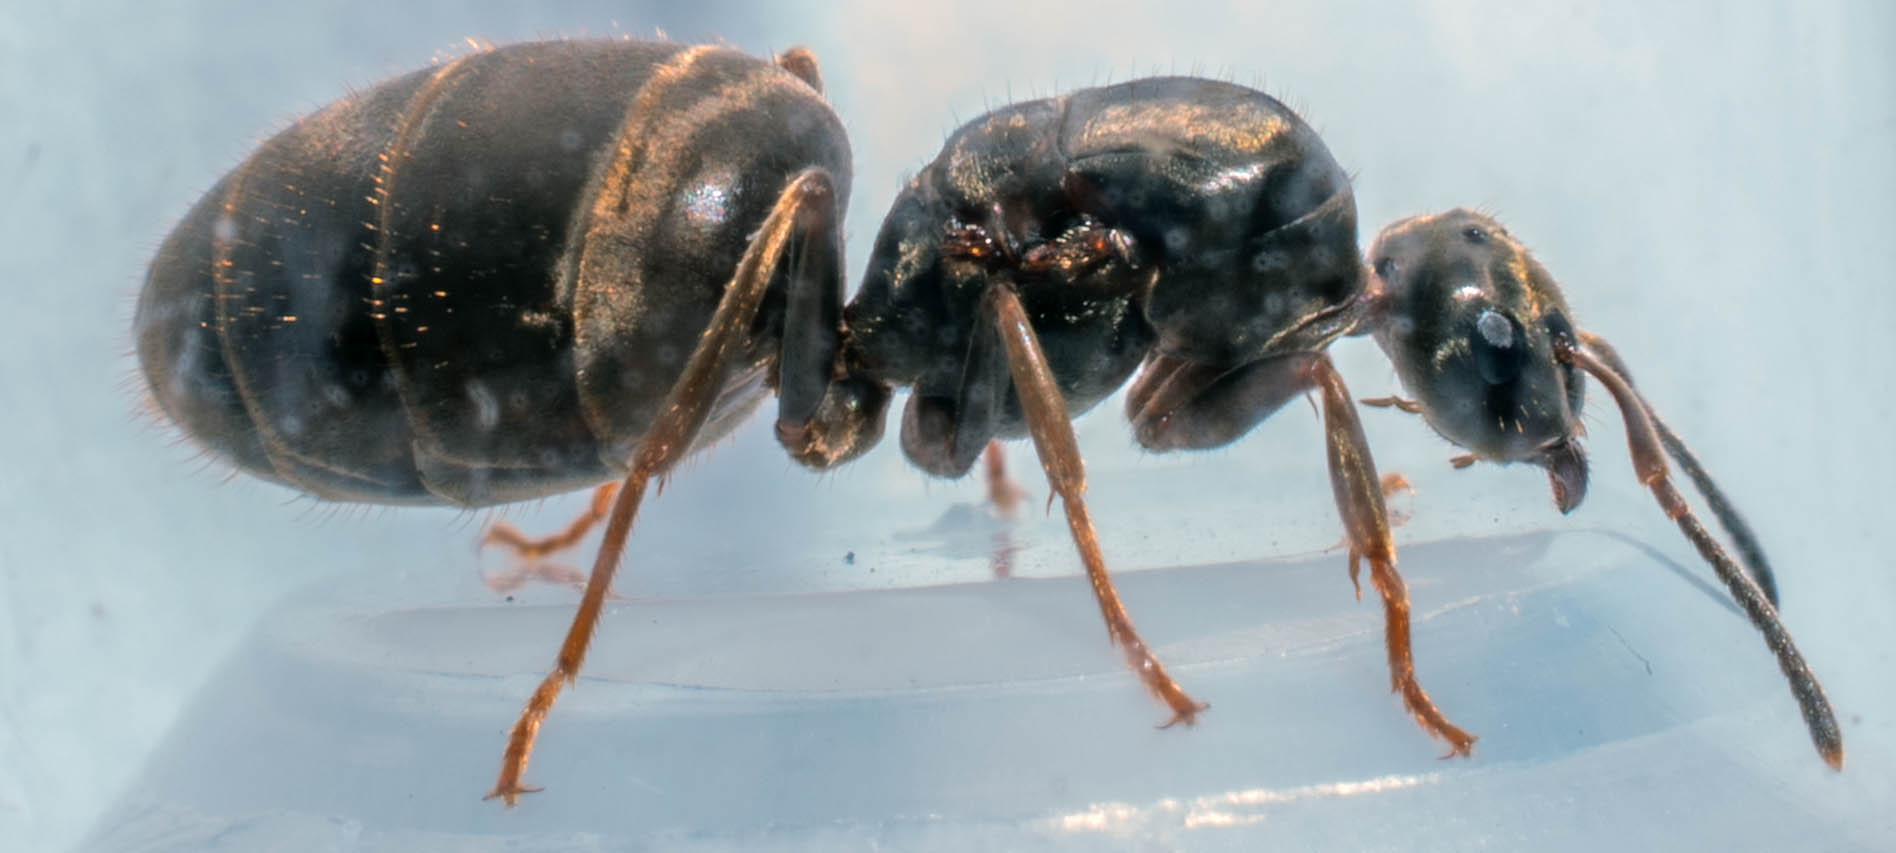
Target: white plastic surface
(993, 714)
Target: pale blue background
(1714, 183)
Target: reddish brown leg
(668, 439)
(1081, 252)
(1001, 559)
(1002, 491)
(506, 583)
(1359, 499)
(1177, 405)
(1649, 463)
(1410, 406)
(510, 537)
(1059, 453)
(1392, 483)
(1005, 495)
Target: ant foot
(1410, 406)
(1187, 715)
(1458, 750)
(510, 794)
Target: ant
(556, 264)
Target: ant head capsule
(1472, 323)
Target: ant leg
(1176, 404)
(1005, 495)
(1410, 406)
(1002, 491)
(524, 548)
(1389, 487)
(828, 411)
(1644, 442)
(1359, 499)
(1179, 406)
(1083, 252)
(1742, 539)
(809, 197)
(1059, 451)
(520, 575)
(947, 425)
(1392, 483)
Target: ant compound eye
(1495, 330)
(1385, 266)
(1497, 348)
(1475, 235)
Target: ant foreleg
(1177, 405)
(1359, 499)
(1397, 403)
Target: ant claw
(1189, 716)
(1458, 751)
(510, 795)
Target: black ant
(551, 265)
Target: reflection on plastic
(1236, 808)
(995, 714)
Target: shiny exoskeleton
(1176, 218)
(542, 267)
(1481, 334)
(521, 272)
(475, 283)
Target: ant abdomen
(467, 285)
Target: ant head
(1471, 322)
